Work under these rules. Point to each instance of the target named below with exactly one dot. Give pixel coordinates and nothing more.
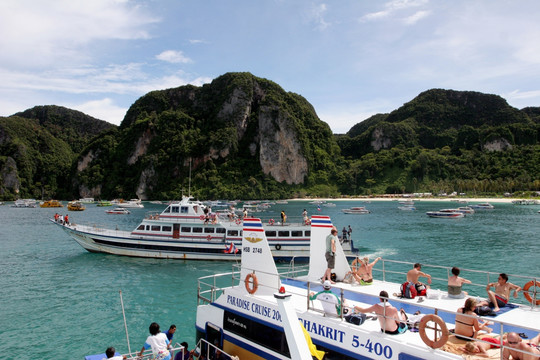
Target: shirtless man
(364, 274)
(514, 342)
(414, 274)
(499, 297)
(389, 317)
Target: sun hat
(327, 284)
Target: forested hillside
(245, 137)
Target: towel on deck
(455, 346)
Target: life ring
(202, 217)
(238, 221)
(526, 288)
(271, 222)
(209, 237)
(422, 331)
(278, 247)
(251, 286)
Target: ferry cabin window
(270, 233)
(174, 209)
(156, 228)
(166, 228)
(141, 227)
(185, 229)
(208, 230)
(232, 233)
(220, 230)
(297, 233)
(264, 335)
(307, 233)
(197, 229)
(283, 233)
(184, 209)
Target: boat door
(176, 231)
(214, 335)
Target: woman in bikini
(467, 324)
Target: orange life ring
(238, 221)
(356, 264)
(251, 286)
(202, 217)
(422, 331)
(209, 237)
(271, 222)
(526, 288)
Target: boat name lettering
(242, 304)
(254, 250)
(323, 330)
(376, 347)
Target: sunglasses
(513, 342)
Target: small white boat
(329, 204)
(465, 209)
(406, 202)
(407, 208)
(87, 200)
(445, 214)
(25, 203)
(482, 206)
(133, 203)
(118, 211)
(356, 210)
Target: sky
(349, 58)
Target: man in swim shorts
(414, 274)
(330, 254)
(390, 318)
(499, 297)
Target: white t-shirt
(157, 342)
(329, 301)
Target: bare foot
(496, 309)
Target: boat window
(167, 210)
(270, 233)
(208, 230)
(166, 228)
(297, 233)
(197, 229)
(232, 232)
(141, 227)
(307, 233)
(269, 337)
(156, 228)
(220, 230)
(185, 229)
(184, 209)
(283, 233)
(147, 227)
(174, 209)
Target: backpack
(408, 290)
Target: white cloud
(413, 19)
(173, 56)
(317, 16)
(103, 109)
(392, 7)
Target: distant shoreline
(473, 200)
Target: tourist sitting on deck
(390, 318)
(330, 302)
(499, 297)
(515, 343)
(414, 274)
(455, 283)
(110, 354)
(364, 271)
(467, 324)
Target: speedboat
(482, 206)
(240, 312)
(356, 210)
(75, 206)
(118, 211)
(445, 214)
(133, 203)
(407, 208)
(188, 230)
(51, 204)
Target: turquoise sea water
(60, 302)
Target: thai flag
(230, 249)
(318, 207)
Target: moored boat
(75, 206)
(356, 210)
(86, 200)
(102, 203)
(407, 207)
(482, 206)
(25, 203)
(133, 203)
(51, 204)
(445, 214)
(189, 230)
(244, 318)
(118, 211)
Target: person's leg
(493, 300)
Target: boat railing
(147, 354)
(209, 351)
(440, 274)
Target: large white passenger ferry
(188, 230)
(245, 320)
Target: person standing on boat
(170, 333)
(330, 254)
(158, 342)
(305, 216)
(389, 317)
(344, 232)
(349, 232)
(455, 283)
(66, 219)
(414, 274)
(283, 217)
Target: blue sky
(349, 58)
